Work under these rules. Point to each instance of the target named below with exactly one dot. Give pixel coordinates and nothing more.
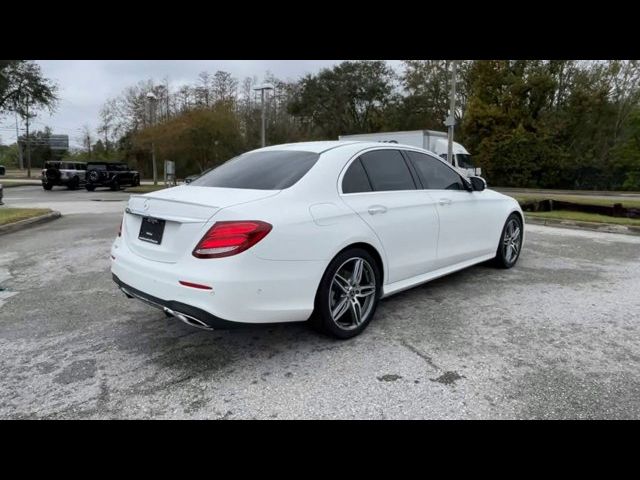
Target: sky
(84, 85)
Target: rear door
(381, 188)
(467, 222)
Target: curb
(22, 224)
(577, 225)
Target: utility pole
(262, 89)
(28, 142)
(20, 161)
(152, 113)
(451, 119)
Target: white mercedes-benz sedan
(317, 231)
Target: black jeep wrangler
(112, 175)
(69, 174)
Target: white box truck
(435, 142)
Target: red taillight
(195, 285)
(230, 238)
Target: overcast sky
(84, 85)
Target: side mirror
(2, 170)
(478, 183)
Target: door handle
(375, 209)
(444, 201)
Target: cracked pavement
(558, 336)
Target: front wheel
(510, 242)
(115, 186)
(90, 188)
(47, 186)
(348, 294)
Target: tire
(90, 188)
(115, 185)
(47, 186)
(335, 304)
(93, 176)
(510, 245)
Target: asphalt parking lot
(556, 337)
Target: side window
(434, 174)
(387, 170)
(355, 179)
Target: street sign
(169, 172)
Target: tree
(87, 138)
(224, 87)
(22, 86)
(348, 98)
(424, 100)
(196, 139)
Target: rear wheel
(510, 242)
(348, 294)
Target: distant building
(54, 142)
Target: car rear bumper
(188, 314)
(243, 288)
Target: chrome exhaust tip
(126, 293)
(188, 319)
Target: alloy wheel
(512, 241)
(352, 293)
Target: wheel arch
(371, 250)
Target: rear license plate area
(151, 230)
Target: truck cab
(435, 142)
(462, 160)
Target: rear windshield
(270, 170)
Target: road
(556, 337)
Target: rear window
(97, 166)
(270, 170)
(387, 170)
(355, 179)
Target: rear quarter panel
(302, 229)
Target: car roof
(323, 146)
(315, 147)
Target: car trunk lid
(185, 211)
